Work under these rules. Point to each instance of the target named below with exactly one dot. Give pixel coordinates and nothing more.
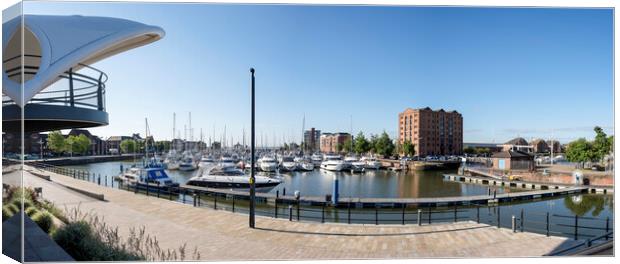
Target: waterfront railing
(501, 216)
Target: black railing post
(323, 213)
(147, 188)
(194, 198)
(429, 214)
(403, 214)
(170, 193)
(576, 227)
(275, 211)
(135, 186)
(184, 191)
(547, 223)
(498, 216)
(99, 180)
(198, 199)
(455, 211)
(233, 209)
(71, 97)
(100, 93)
(297, 210)
(478, 213)
(607, 228)
(349, 212)
(290, 212)
(215, 201)
(376, 215)
(522, 222)
(158, 189)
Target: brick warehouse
(432, 132)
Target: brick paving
(221, 235)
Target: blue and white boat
(152, 177)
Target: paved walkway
(221, 235)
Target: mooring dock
(524, 184)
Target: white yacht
(206, 161)
(172, 160)
(187, 164)
(288, 163)
(268, 164)
(230, 177)
(333, 163)
(355, 165)
(304, 164)
(316, 158)
(227, 160)
(371, 163)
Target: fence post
(184, 191)
(349, 212)
(430, 212)
(514, 224)
(233, 209)
(215, 201)
(498, 216)
(99, 180)
(576, 226)
(147, 188)
(607, 228)
(158, 189)
(455, 211)
(376, 215)
(290, 212)
(547, 223)
(275, 211)
(478, 213)
(323, 214)
(403, 215)
(297, 210)
(194, 198)
(198, 199)
(522, 222)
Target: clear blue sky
(509, 71)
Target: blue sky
(530, 72)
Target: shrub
(6, 213)
(45, 220)
(50, 207)
(31, 211)
(76, 239)
(12, 208)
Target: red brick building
(432, 132)
(330, 141)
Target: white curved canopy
(67, 41)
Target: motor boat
(316, 159)
(268, 164)
(304, 164)
(230, 177)
(288, 164)
(207, 161)
(172, 161)
(333, 163)
(355, 165)
(371, 163)
(152, 177)
(187, 164)
(227, 160)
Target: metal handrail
(90, 88)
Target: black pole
(522, 219)
(576, 226)
(252, 149)
(349, 212)
(547, 223)
(403, 214)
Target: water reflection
(582, 205)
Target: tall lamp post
(252, 167)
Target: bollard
(514, 224)
(194, 198)
(290, 212)
(419, 217)
(99, 180)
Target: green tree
(347, 145)
(373, 143)
(361, 144)
(601, 145)
(469, 150)
(408, 148)
(77, 144)
(56, 142)
(580, 150)
(384, 145)
(128, 146)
